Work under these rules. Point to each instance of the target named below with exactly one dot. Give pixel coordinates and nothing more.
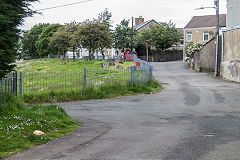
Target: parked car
(129, 56)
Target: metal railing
(8, 85)
(144, 66)
(24, 83)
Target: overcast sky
(178, 11)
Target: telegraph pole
(216, 2)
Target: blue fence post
(85, 81)
(150, 72)
(132, 76)
(20, 84)
(14, 83)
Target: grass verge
(105, 91)
(17, 124)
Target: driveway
(195, 117)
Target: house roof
(206, 21)
(141, 25)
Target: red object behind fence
(137, 64)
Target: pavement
(195, 117)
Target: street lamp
(216, 3)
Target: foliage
(17, 124)
(11, 16)
(194, 47)
(94, 36)
(28, 42)
(160, 36)
(104, 91)
(42, 43)
(105, 17)
(73, 29)
(61, 40)
(123, 36)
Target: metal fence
(8, 85)
(144, 66)
(24, 83)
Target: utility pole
(132, 22)
(216, 2)
(216, 7)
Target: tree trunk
(74, 53)
(147, 51)
(89, 55)
(63, 57)
(59, 54)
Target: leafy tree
(124, 36)
(11, 16)
(165, 36)
(73, 29)
(42, 43)
(94, 36)
(105, 17)
(28, 42)
(61, 40)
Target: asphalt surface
(195, 117)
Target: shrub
(194, 47)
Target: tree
(61, 40)
(94, 36)
(42, 43)
(123, 36)
(28, 41)
(73, 29)
(11, 16)
(160, 36)
(105, 17)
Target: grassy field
(17, 124)
(49, 80)
(56, 65)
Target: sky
(179, 12)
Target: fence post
(150, 74)
(132, 76)
(85, 81)
(14, 81)
(20, 84)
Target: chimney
(139, 20)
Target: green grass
(56, 65)
(17, 124)
(104, 91)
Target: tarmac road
(196, 117)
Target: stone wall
(204, 60)
(208, 56)
(230, 66)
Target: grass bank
(56, 65)
(17, 124)
(104, 91)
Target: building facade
(202, 29)
(233, 12)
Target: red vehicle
(129, 56)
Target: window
(189, 36)
(205, 36)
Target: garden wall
(230, 66)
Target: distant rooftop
(141, 25)
(206, 21)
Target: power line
(64, 5)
